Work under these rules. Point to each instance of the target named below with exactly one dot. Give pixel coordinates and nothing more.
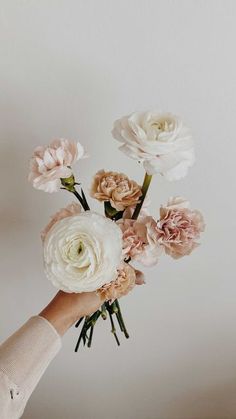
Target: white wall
(69, 68)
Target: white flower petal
(50, 187)
(80, 152)
(48, 159)
(177, 202)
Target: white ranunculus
(159, 140)
(82, 252)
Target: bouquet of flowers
(85, 251)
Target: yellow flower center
(161, 125)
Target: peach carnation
(70, 210)
(51, 163)
(123, 284)
(116, 188)
(140, 240)
(179, 227)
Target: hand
(65, 309)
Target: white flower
(72, 209)
(159, 140)
(82, 252)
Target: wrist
(67, 308)
(61, 312)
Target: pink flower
(140, 240)
(140, 278)
(122, 285)
(70, 210)
(51, 163)
(179, 227)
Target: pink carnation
(69, 211)
(179, 227)
(140, 240)
(140, 278)
(51, 163)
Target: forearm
(60, 313)
(25, 356)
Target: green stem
(122, 320)
(79, 198)
(146, 184)
(104, 312)
(114, 307)
(92, 320)
(82, 334)
(69, 184)
(89, 322)
(78, 322)
(119, 316)
(86, 205)
(113, 329)
(90, 337)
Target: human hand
(66, 308)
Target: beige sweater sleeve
(24, 357)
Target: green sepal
(69, 183)
(111, 212)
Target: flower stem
(78, 322)
(90, 337)
(82, 334)
(79, 198)
(89, 322)
(104, 312)
(113, 329)
(69, 184)
(121, 320)
(92, 320)
(86, 205)
(114, 307)
(146, 184)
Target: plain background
(69, 69)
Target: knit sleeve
(24, 357)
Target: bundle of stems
(108, 309)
